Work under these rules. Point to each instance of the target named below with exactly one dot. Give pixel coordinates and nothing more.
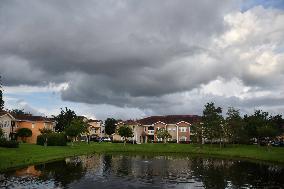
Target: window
(45, 125)
(183, 138)
(33, 125)
(174, 129)
(169, 129)
(182, 129)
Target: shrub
(24, 133)
(121, 141)
(173, 141)
(184, 142)
(8, 143)
(53, 139)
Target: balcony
(151, 132)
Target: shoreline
(30, 154)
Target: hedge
(9, 143)
(53, 139)
(121, 141)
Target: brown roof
(169, 119)
(130, 122)
(2, 113)
(29, 117)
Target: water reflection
(122, 171)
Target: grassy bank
(28, 154)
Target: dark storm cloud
(123, 52)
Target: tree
(24, 133)
(197, 132)
(163, 134)
(45, 131)
(76, 127)
(1, 133)
(110, 126)
(260, 125)
(213, 122)
(125, 131)
(18, 111)
(234, 126)
(64, 119)
(1, 96)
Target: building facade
(7, 124)
(144, 130)
(95, 128)
(34, 123)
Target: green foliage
(64, 119)
(1, 133)
(235, 127)
(24, 133)
(197, 132)
(163, 134)
(45, 131)
(110, 126)
(77, 127)
(125, 131)
(18, 111)
(213, 122)
(8, 143)
(260, 125)
(52, 139)
(1, 96)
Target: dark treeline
(259, 127)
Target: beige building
(7, 124)
(95, 128)
(144, 130)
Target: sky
(130, 59)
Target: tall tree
(110, 126)
(260, 125)
(163, 134)
(76, 127)
(197, 131)
(234, 129)
(18, 111)
(64, 119)
(1, 95)
(213, 122)
(125, 131)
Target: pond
(138, 171)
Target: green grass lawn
(28, 154)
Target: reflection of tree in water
(107, 163)
(218, 173)
(208, 172)
(63, 173)
(124, 166)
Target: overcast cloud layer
(148, 57)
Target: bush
(121, 141)
(184, 142)
(172, 141)
(53, 139)
(9, 143)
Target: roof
(29, 117)
(2, 113)
(94, 120)
(129, 122)
(169, 119)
